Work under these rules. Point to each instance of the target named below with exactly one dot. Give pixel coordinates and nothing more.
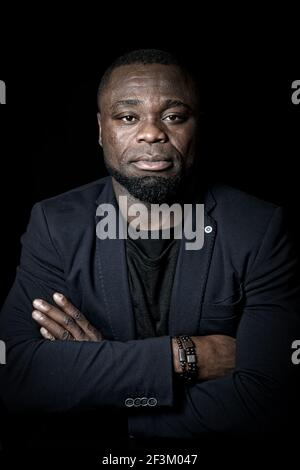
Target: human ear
(100, 128)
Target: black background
(48, 128)
(49, 140)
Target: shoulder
(242, 215)
(73, 211)
(78, 198)
(238, 200)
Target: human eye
(128, 118)
(175, 118)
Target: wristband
(187, 358)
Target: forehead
(148, 82)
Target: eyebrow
(126, 103)
(170, 103)
(175, 103)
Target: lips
(149, 163)
(152, 166)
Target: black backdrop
(48, 128)
(48, 132)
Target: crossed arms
(95, 372)
(66, 323)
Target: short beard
(151, 189)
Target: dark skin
(148, 110)
(145, 110)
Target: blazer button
(137, 402)
(144, 401)
(208, 229)
(129, 402)
(152, 401)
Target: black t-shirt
(151, 267)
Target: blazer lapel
(190, 279)
(113, 279)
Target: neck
(151, 217)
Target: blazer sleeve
(256, 397)
(61, 376)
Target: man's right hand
(64, 321)
(215, 356)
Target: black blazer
(242, 283)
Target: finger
(51, 326)
(61, 318)
(92, 332)
(45, 333)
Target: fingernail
(45, 333)
(38, 303)
(58, 297)
(37, 315)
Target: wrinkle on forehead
(144, 81)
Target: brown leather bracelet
(187, 358)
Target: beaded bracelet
(187, 358)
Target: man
(145, 330)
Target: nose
(151, 132)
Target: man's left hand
(64, 322)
